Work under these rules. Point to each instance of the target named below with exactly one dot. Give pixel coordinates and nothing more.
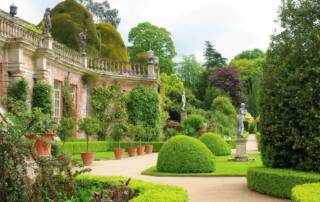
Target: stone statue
(242, 113)
(47, 22)
(83, 41)
(184, 101)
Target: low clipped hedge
(101, 146)
(306, 193)
(278, 182)
(216, 144)
(183, 154)
(148, 191)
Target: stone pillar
(42, 73)
(85, 60)
(15, 60)
(241, 151)
(151, 65)
(183, 116)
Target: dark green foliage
(18, 90)
(42, 98)
(66, 128)
(193, 124)
(90, 79)
(112, 45)
(212, 56)
(101, 146)
(148, 191)
(90, 126)
(118, 132)
(183, 154)
(144, 107)
(69, 18)
(278, 182)
(211, 94)
(290, 98)
(224, 117)
(109, 107)
(68, 103)
(146, 36)
(217, 145)
(306, 193)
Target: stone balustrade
(15, 29)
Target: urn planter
(87, 158)
(149, 148)
(43, 145)
(118, 153)
(132, 151)
(141, 150)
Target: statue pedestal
(183, 116)
(241, 151)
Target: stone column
(183, 116)
(42, 73)
(151, 65)
(85, 60)
(15, 60)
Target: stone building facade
(38, 58)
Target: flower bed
(147, 191)
(278, 182)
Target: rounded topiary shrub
(216, 144)
(183, 154)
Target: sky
(231, 25)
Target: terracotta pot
(87, 158)
(132, 151)
(149, 148)
(43, 145)
(118, 153)
(141, 150)
(203, 132)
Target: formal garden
(196, 122)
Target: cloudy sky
(232, 25)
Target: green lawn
(98, 156)
(223, 168)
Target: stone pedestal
(183, 116)
(241, 151)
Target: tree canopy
(146, 36)
(212, 57)
(250, 54)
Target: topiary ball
(216, 144)
(183, 154)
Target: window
(57, 100)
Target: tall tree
(212, 56)
(102, 12)
(189, 71)
(146, 36)
(290, 115)
(250, 54)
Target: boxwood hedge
(278, 182)
(216, 144)
(183, 154)
(100, 146)
(306, 193)
(148, 191)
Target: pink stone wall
(75, 79)
(1, 74)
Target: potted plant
(151, 133)
(139, 135)
(203, 129)
(90, 126)
(132, 150)
(43, 134)
(118, 132)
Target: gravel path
(200, 189)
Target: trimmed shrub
(306, 193)
(100, 146)
(278, 182)
(18, 90)
(42, 97)
(148, 191)
(69, 18)
(217, 145)
(112, 45)
(183, 154)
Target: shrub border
(306, 193)
(148, 191)
(278, 182)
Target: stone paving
(200, 189)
